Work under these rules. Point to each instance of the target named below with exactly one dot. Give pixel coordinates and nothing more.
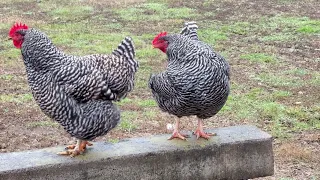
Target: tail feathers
(126, 49)
(190, 30)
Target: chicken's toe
(179, 136)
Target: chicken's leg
(78, 148)
(200, 133)
(176, 133)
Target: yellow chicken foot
(74, 150)
(200, 133)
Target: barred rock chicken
(196, 81)
(76, 91)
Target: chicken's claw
(73, 150)
(72, 146)
(203, 134)
(179, 136)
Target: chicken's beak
(9, 38)
(157, 45)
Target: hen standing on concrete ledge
(76, 91)
(196, 81)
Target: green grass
(127, 121)
(137, 103)
(266, 78)
(10, 54)
(212, 35)
(271, 110)
(300, 24)
(141, 82)
(10, 1)
(286, 178)
(259, 106)
(279, 28)
(66, 10)
(5, 26)
(297, 71)
(113, 140)
(287, 23)
(283, 28)
(83, 39)
(147, 103)
(15, 98)
(209, 14)
(155, 12)
(147, 52)
(295, 119)
(278, 95)
(239, 28)
(114, 26)
(309, 29)
(6, 77)
(81, 36)
(279, 80)
(72, 12)
(315, 79)
(259, 57)
(150, 114)
(124, 101)
(301, 72)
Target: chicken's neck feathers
(39, 53)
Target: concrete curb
(237, 152)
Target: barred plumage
(196, 81)
(87, 77)
(76, 91)
(84, 121)
(190, 30)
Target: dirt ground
(23, 126)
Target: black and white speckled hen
(76, 91)
(196, 81)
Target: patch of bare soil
(19, 87)
(226, 10)
(300, 54)
(298, 158)
(306, 96)
(22, 12)
(114, 3)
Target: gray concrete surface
(237, 152)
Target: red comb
(15, 27)
(158, 36)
